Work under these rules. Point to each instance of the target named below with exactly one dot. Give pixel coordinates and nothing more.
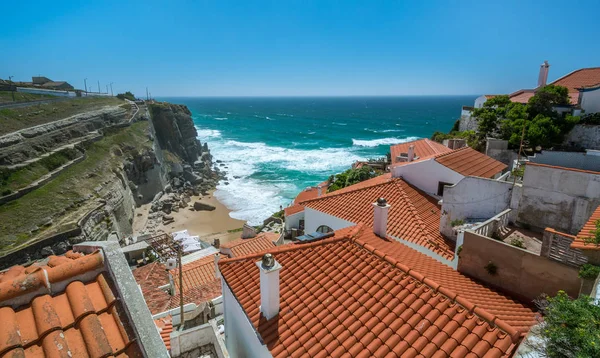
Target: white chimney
(381, 208)
(269, 286)
(319, 191)
(217, 271)
(411, 153)
(543, 77)
(171, 264)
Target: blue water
(275, 147)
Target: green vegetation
(235, 230)
(127, 95)
(571, 326)
(491, 268)
(15, 179)
(592, 118)
(544, 127)
(518, 243)
(457, 222)
(61, 198)
(595, 235)
(7, 97)
(351, 177)
(14, 119)
(469, 136)
(279, 214)
(589, 271)
(519, 172)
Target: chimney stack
(381, 208)
(319, 191)
(411, 153)
(543, 77)
(269, 286)
(217, 271)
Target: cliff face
(175, 130)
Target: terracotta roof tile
(165, 327)
(150, 278)
(341, 296)
(414, 216)
(587, 231)
(469, 162)
(581, 78)
(521, 96)
(241, 247)
(424, 148)
(81, 320)
(294, 209)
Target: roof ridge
(491, 319)
(292, 247)
(334, 194)
(414, 210)
(564, 168)
(436, 156)
(573, 72)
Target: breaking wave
(383, 141)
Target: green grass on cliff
(56, 198)
(7, 97)
(13, 119)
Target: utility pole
(111, 92)
(85, 84)
(106, 89)
(520, 149)
(179, 248)
(12, 91)
(147, 98)
(98, 86)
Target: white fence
(490, 226)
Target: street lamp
(85, 84)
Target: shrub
(594, 238)
(571, 326)
(457, 222)
(491, 268)
(5, 192)
(518, 243)
(589, 271)
(127, 95)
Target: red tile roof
(197, 274)
(150, 278)
(424, 148)
(587, 231)
(294, 209)
(585, 77)
(66, 308)
(241, 247)
(165, 327)
(343, 296)
(469, 162)
(414, 216)
(521, 96)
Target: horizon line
(313, 96)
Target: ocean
(272, 148)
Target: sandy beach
(208, 225)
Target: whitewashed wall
(241, 339)
(474, 198)
(314, 218)
(293, 221)
(590, 101)
(558, 198)
(426, 175)
(479, 101)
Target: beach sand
(208, 225)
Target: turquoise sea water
(275, 147)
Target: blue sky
(257, 48)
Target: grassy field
(12, 180)
(7, 97)
(56, 198)
(12, 119)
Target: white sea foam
(381, 141)
(340, 123)
(384, 130)
(221, 118)
(205, 134)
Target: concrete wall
(189, 340)
(559, 198)
(241, 339)
(590, 101)
(476, 198)
(498, 149)
(314, 218)
(293, 221)
(426, 175)
(467, 121)
(519, 272)
(479, 101)
(577, 160)
(585, 136)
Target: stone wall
(519, 272)
(585, 136)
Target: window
(324, 229)
(441, 186)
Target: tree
(488, 116)
(351, 177)
(127, 95)
(545, 99)
(571, 327)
